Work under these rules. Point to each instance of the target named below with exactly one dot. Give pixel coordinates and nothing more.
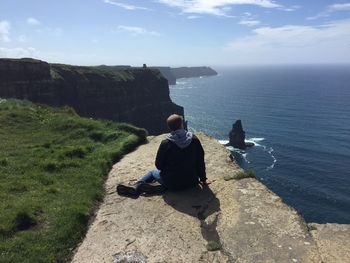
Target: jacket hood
(181, 138)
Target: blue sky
(176, 32)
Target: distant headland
(172, 74)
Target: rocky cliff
(168, 74)
(171, 74)
(134, 95)
(229, 221)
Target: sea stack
(237, 136)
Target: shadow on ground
(199, 202)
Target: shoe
(151, 188)
(125, 190)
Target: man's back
(181, 167)
(180, 163)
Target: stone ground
(230, 221)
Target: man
(180, 163)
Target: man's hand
(205, 183)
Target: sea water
(299, 120)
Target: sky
(176, 32)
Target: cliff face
(168, 74)
(133, 95)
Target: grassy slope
(114, 72)
(52, 168)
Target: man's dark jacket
(181, 167)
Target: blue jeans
(150, 177)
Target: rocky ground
(231, 221)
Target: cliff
(168, 74)
(190, 72)
(171, 74)
(229, 221)
(134, 95)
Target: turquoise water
(299, 118)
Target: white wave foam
(231, 148)
(255, 141)
(239, 151)
(184, 87)
(244, 155)
(251, 140)
(182, 95)
(270, 151)
(223, 142)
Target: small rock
(129, 257)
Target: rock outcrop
(134, 95)
(230, 221)
(237, 136)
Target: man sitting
(180, 163)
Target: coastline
(246, 221)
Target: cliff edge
(121, 94)
(230, 221)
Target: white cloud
(340, 7)
(249, 22)
(322, 43)
(5, 31)
(193, 17)
(33, 21)
(125, 6)
(248, 19)
(215, 7)
(18, 52)
(331, 9)
(291, 8)
(319, 15)
(137, 31)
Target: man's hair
(174, 122)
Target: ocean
(299, 119)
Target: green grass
(213, 245)
(245, 174)
(32, 60)
(240, 175)
(58, 71)
(311, 227)
(52, 168)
